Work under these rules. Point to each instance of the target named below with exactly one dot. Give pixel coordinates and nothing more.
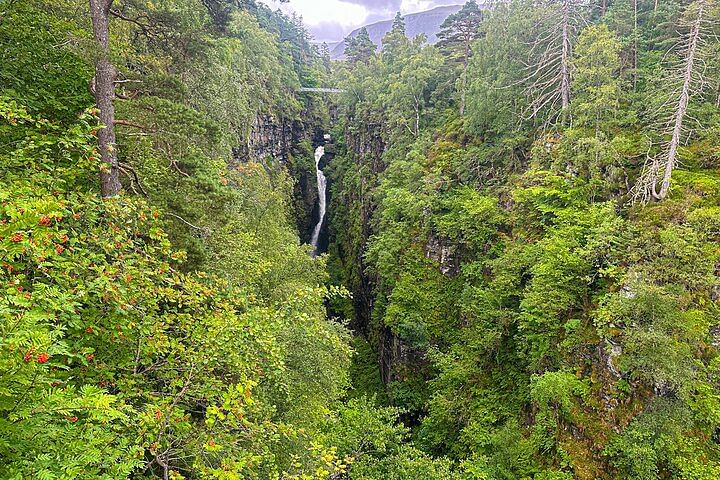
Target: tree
(596, 85)
(698, 23)
(398, 25)
(395, 40)
(549, 60)
(410, 88)
(360, 48)
(103, 88)
(455, 38)
(325, 56)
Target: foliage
(528, 319)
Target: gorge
(442, 260)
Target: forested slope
(522, 275)
(530, 230)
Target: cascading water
(322, 196)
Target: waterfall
(322, 196)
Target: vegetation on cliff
(524, 230)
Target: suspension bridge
(321, 90)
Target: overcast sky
(332, 20)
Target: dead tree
(690, 79)
(548, 68)
(104, 92)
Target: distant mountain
(416, 23)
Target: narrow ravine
(322, 196)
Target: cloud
(332, 11)
(375, 5)
(332, 20)
(328, 31)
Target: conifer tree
(359, 48)
(548, 70)
(455, 39)
(398, 25)
(395, 39)
(103, 88)
(325, 56)
(596, 85)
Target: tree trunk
(463, 94)
(417, 117)
(682, 104)
(466, 63)
(104, 95)
(635, 45)
(565, 61)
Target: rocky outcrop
(273, 138)
(444, 254)
(397, 357)
(366, 147)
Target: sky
(332, 20)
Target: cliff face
(274, 138)
(279, 142)
(366, 148)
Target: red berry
(45, 221)
(59, 249)
(28, 355)
(89, 330)
(43, 357)
(90, 357)
(72, 419)
(17, 238)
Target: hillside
(427, 23)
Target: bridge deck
(321, 90)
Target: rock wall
(286, 143)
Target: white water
(322, 195)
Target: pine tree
(103, 88)
(398, 25)
(395, 39)
(455, 38)
(359, 48)
(325, 56)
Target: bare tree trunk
(635, 45)
(466, 63)
(565, 61)
(682, 105)
(104, 92)
(417, 117)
